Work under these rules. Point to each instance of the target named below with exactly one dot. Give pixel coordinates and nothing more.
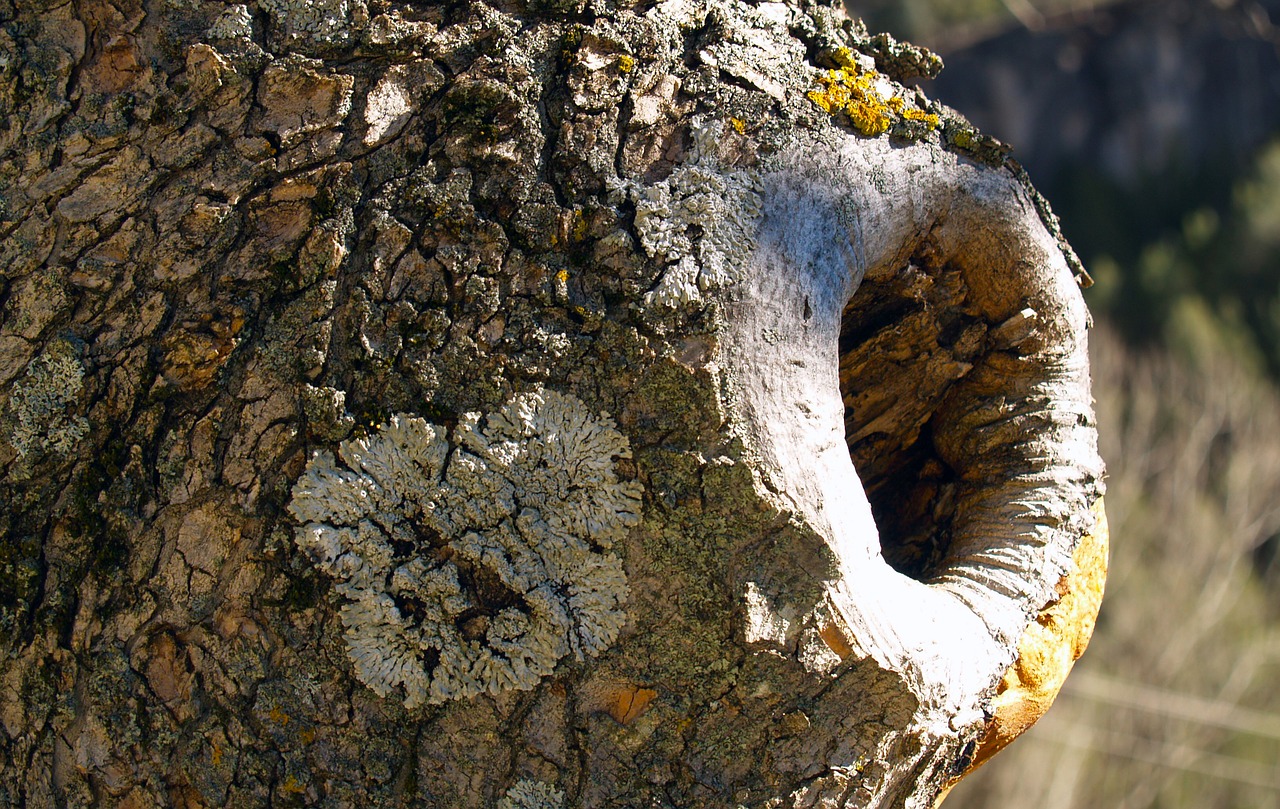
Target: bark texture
(457, 405)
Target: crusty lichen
(700, 223)
(234, 23)
(313, 22)
(902, 60)
(472, 560)
(526, 794)
(326, 412)
(40, 418)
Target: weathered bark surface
(594, 304)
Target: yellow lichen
(820, 99)
(870, 118)
(626, 63)
(920, 115)
(844, 57)
(857, 94)
(964, 138)
(738, 125)
(562, 276)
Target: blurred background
(1153, 127)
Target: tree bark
(459, 405)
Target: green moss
(94, 514)
(472, 105)
(688, 548)
(692, 651)
(676, 403)
(963, 137)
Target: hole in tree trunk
(905, 338)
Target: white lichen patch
(234, 23)
(527, 794)
(472, 561)
(701, 223)
(318, 22)
(40, 419)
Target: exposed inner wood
(905, 339)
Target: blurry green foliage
(1222, 263)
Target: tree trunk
(458, 406)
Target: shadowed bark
(459, 405)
